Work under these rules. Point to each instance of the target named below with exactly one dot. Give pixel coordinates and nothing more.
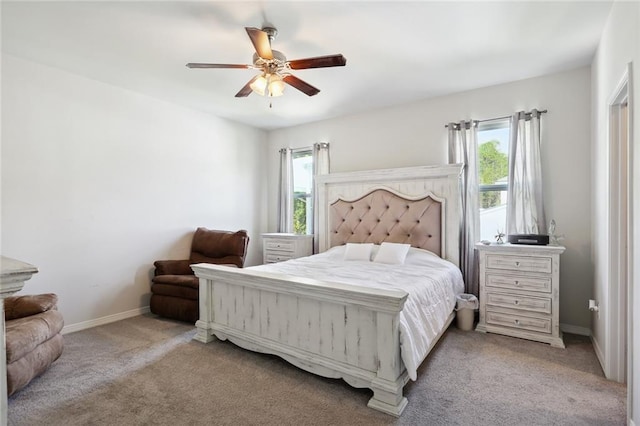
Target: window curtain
(463, 148)
(285, 195)
(321, 166)
(525, 212)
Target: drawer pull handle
(517, 322)
(516, 302)
(517, 264)
(517, 282)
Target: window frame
(309, 196)
(487, 125)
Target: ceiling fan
(275, 69)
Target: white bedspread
(431, 283)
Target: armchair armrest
(173, 267)
(23, 306)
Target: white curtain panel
(525, 210)
(285, 196)
(320, 158)
(463, 148)
(321, 166)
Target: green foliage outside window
(300, 215)
(494, 165)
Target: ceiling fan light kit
(275, 70)
(271, 85)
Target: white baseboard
(104, 320)
(598, 351)
(574, 329)
(631, 423)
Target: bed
(336, 327)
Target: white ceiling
(396, 51)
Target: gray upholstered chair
(33, 339)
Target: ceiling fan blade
(318, 62)
(260, 41)
(302, 86)
(246, 90)
(196, 65)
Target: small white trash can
(466, 304)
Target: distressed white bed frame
(331, 329)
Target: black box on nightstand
(532, 239)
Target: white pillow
(358, 251)
(392, 253)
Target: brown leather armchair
(33, 338)
(174, 290)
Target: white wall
(619, 45)
(98, 182)
(414, 134)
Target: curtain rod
(467, 123)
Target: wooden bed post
(204, 332)
(390, 379)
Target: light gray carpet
(148, 371)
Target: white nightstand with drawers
(277, 247)
(520, 291)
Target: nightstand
(277, 247)
(520, 291)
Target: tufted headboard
(382, 215)
(415, 205)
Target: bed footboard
(330, 329)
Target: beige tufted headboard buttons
(383, 216)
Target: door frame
(618, 321)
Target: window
(296, 195)
(303, 191)
(493, 176)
